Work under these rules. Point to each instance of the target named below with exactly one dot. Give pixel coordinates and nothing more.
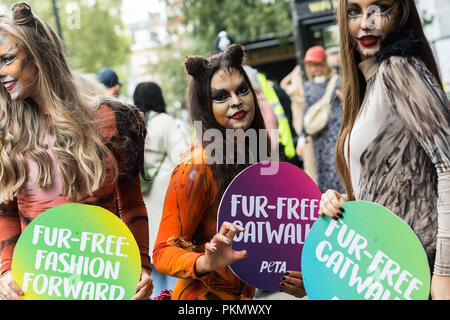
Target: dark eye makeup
(243, 89)
(355, 11)
(222, 95)
(8, 59)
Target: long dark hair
(148, 97)
(199, 103)
(353, 83)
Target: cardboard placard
(277, 211)
(77, 252)
(370, 254)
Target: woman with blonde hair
(394, 145)
(57, 147)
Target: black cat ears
(196, 65)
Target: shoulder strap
(331, 84)
(159, 166)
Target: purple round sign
(277, 204)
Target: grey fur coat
(406, 167)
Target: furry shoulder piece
(128, 146)
(403, 43)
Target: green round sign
(77, 252)
(369, 254)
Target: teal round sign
(369, 254)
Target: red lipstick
(10, 85)
(239, 115)
(368, 41)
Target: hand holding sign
(370, 254)
(78, 252)
(331, 204)
(219, 252)
(292, 283)
(144, 288)
(9, 290)
(276, 213)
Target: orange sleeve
(185, 206)
(10, 231)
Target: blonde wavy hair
(81, 156)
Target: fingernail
(282, 284)
(213, 248)
(340, 215)
(283, 278)
(341, 209)
(336, 218)
(286, 274)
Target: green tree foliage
(202, 21)
(243, 20)
(92, 31)
(169, 73)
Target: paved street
(277, 296)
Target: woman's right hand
(9, 290)
(331, 204)
(218, 252)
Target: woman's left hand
(144, 288)
(292, 283)
(440, 287)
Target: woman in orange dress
(189, 245)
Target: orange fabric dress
(189, 221)
(121, 198)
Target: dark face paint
(24, 63)
(17, 73)
(232, 101)
(369, 22)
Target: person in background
(324, 142)
(334, 59)
(270, 119)
(285, 101)
(108, 77)
(166, 141)
(294, 87)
